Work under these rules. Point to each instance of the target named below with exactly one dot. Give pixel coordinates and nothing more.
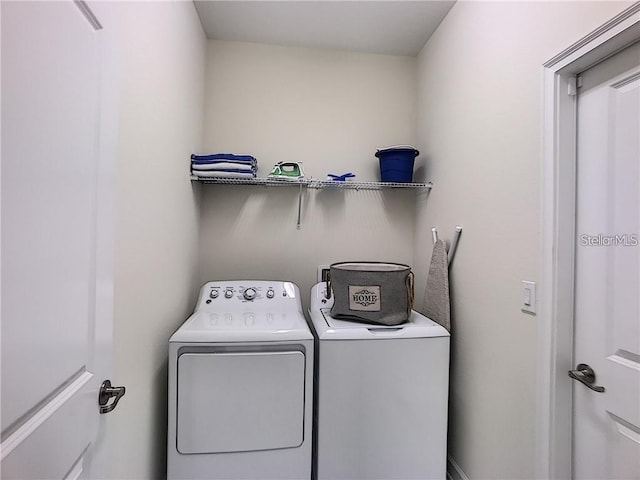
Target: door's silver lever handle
(106, 392)
(585, 375)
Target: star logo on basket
(365, 298)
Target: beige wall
(480, 79)
(162, 59)
(478, 125)
(330, 110)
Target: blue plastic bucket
(396, 163)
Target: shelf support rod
(299, 206)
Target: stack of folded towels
(224, 165)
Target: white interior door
(606, 424)
(51, 151)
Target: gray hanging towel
(436, 304)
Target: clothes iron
(287, 171)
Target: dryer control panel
(260, 294)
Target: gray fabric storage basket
(373, 292)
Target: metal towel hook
(454, 242)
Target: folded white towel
(224, 157)
(223, 166)
(222, 174)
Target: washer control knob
(249, 293)
(228, 293)
(270, 293)
(214, 294)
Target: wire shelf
(350, 185)
(310, 183)
(249, 181)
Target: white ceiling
(385, 27)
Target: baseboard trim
(454, 472)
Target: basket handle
(327, 293)
(410, 292)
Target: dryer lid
(251, 400)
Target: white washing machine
(241, 385)
(382, 396)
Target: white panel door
(51, 103)
(606, 423)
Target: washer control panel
(258, 293)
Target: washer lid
(418, 326)
(242, 326)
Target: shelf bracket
(454, 242)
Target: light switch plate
(528, 300)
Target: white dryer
(382, 396)
(241, 385)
